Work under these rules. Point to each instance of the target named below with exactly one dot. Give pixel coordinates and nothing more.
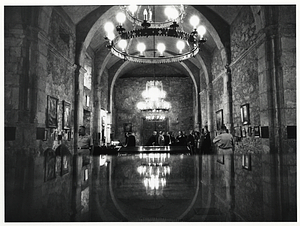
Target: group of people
(197, 142)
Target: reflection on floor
(160, 185)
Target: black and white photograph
(154, 112)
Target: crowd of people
(198, 143)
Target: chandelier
(137, 46)
(154, 171)
(154, 101)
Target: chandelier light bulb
(145, 14)
(111, 36)
(194, 21)
(121, 17)
(180, 45)
(141, 47)
(132, 8)
(201, 31)
(173, 13)
(122, 44)
(109, 27)
(161, 48)
(168, 11)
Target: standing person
(153, 141)
(130, 141)
(181, 139)
(172, 138)
(161, 139)
(191, 141)
(167, 139)
(205, 141)
(84, 140)
(224, 141)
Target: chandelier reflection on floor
(136, 46)
(154, 172)
(154, 101)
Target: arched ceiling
(216, 19)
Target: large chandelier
(137, 45)
(154, 171)
(154, 100)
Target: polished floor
(159, 186)
(152, 184)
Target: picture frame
(51, 112)
(250, 131)
(66, 115)
(264, 131)
(86, 174)
(237, 132)
(245, 116)
(256, 131)
(246, 161)
(50, 165)
(220, 159)
(244, 132)
(45, 135)
(219, 119)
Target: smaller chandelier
(154, 96)
(129, 45)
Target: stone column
(77, 158)
(227, 99)
(210, 107)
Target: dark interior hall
(63, 70)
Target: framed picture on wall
(244, 132)
(256, 131)
(51, 112)
(250, 131)
(127, 127)
(66, 115)
(246, 161)
(219, 119)
(245, 117)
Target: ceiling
(97, 43)
(227, 12)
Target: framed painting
(246, 161)
(256, 131)
(244, 132)
(245, 117)
(219, 119)
(66, 115)
(250, 131)
(52, 112)
(50, 164)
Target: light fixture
(154, 102)
(138, 46)
(154, 171)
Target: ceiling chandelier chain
(188, 44)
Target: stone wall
(37, 66)
(217, 65)
(127, 93)
(203, 104)
(218, 92)
(243, 33)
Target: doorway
(149, 126)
